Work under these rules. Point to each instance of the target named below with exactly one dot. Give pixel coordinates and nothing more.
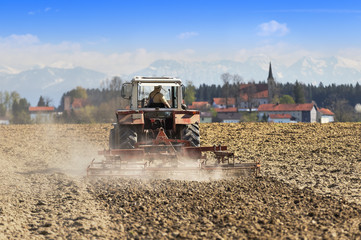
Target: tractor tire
(127, 137)
(191, 133)
(112, 144)
(122, 137)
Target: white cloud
(39, 11)
(23, 52)
(353, 53)
(284, 53)
(187, 35)
(27, 39)
(273, 28)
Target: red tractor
(147, 139)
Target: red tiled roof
(280, 116)
(262, 94)
(326, 111)
(257, 95)
(233, 109)
(196, 105)
(41, 109)
(222, 101)
(285, 107)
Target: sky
(120, 37)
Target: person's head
(157, 88)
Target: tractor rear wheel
(127, 137)
(112, 142)
(122, 137)
(191, 133)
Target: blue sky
(118, 37)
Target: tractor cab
(139, 89)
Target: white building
(280, 118)
(42, 114)
(325, 115)
(306, 112)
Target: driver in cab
(157, 99)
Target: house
(226, 110)
(256, 97)
(42, 114)
(227, 115)
(221, 103)
(79, 103)
(200, 105)
(325, 115)
(76, 104)
(206, 117)
(280, 118)
(306, 112)
(4, 121)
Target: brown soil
(309, 188)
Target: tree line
(341, 99)
(13, 107)
(99, 105)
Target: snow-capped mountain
(53, 82)
(306, 70)
(49, 82)
(327, 70)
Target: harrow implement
(163, 155)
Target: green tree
(237, 82)
(264, 118)
(298, 92)
(249, 117)
(2, 105)
(2, 110)
(78, 92)
(190, 93)
(251, 91)
(287, 99)
(7, 100)
(20, 110)
(41, 102)
(226, 78)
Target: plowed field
(309, 188)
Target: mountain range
(53, 82)
(49, 82)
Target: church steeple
(270, 75)
(271, 84)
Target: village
(258, 101)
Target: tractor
(148, 139)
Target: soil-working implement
(148, 140)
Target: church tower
(271, 84)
